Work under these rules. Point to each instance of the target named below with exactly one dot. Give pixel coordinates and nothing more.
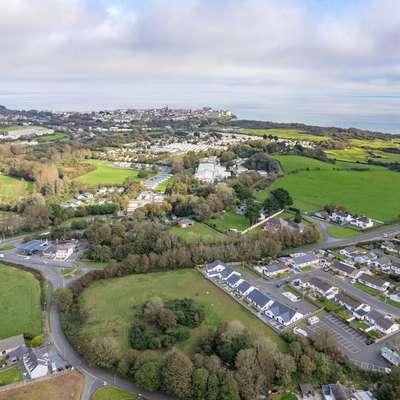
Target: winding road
(94, 377)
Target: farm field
(230, 220)
(359, 191)
(112, 393)
(110, 304)
(61, 387)
(355, 154)
(20, 309)
(13, 188)
(106, 174)
(196, 232)
(285, 134)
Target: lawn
(10, 375)
(110, 303)
(366, 289)
(344, 314)
(13, 188)
(374, 193)
(388, 300)
(20, 310)
(342, 233)
(359, 325)
(7, 247)
(106, 174)
(61, 387)
(330, 305)
(166, 184)
(198, 231)
(230, 220)
(112, 393)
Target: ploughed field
(110, 304)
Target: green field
(355, 154)
(198, 231)
(112, 393)
(285, 134)
(20, 310)
(13, 188)
(54, 137)
(230, 220)
(110, 304)
(342, 233)
(7, 247)
(11, 375)
(166, 184)
(374, 193)
(106, 174)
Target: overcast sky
(338, 60)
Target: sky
(330, 62)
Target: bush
(37, 341)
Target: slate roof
(243, 287)
(306, 258)
(349, 300)
(319, 283)
(276, 266)
(11, 343)
(234, 279)
(226, 272)
(282, 311)
(214, 264)
(258, 298)
(372, 280)
(343, 267)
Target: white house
(381, 322)
(275, 268)
(341, 217)
(215, 268)
(283, 314)
(64, 251)
(304, 260)
(362, 222)
(37, 367)
(323, 288)
(259, 300)
(244, 288)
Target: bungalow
(381, 322)
(336, 392)
(352, 304)
(275, 268)
(373, 282)
(362, 222)
(323, 288)
(383, 263)
(283, 314)
(343, 269)
(234, 280)
(37, 367)
(227, 273)
(304, 260)
(259, 300)
(391, 247)
(10, 344)
(185, 223)
(395, 268)
(340, 217)
(215, 268)
(244, 288)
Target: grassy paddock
(342, 233)
(198, 231)
(230, 220)
(106, 174)
(285, 134)
(112, 393)
(20, 310)
(12, 188)
(110, 304)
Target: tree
(228, 389)
(177, 374)
(148, 375)
(283, 197)
(166, 319)
(297, 217)
(64, 299)
(199, 383)
(213, 387)
(285, 367)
